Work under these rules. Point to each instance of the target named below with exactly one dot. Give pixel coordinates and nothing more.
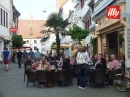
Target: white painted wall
(5, 5)
(69, 5)
(81, 13)
(47, 45)
(38, 44)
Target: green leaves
(17, 41)
(56, 22)
(78, 33)
(53, 43)
(45, 38)
(93, 43)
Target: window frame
(7, 19)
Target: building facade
(78, 13)
(30, 31)
(59, 3)
(4, 25)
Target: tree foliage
(93, 44)
(53, 43)
(17, 41)
(44, 39)
(78, 33)
(55, 24)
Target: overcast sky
(35, 7)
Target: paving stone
(12, 85)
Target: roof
(31, 26)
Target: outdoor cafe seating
(46, 77)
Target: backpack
(80, 58)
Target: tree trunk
(58, 44)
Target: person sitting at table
(99, 64)
(29, 66)
(95, 59)
(108, 62)
(60, 63)
(114, 63)
(35, 65)
(44, 65)
(53, 62)
(103, 60)
(65, 64)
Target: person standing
(5, 56)
(31, 54)
(70, 52)
(24, 55)
(19, 57)
(82, 60)
(37, 55)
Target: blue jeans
(83, 70)
(19, 62)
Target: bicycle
(121, 82)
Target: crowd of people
(77, 56)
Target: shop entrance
(113, 43)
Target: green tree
(93, 43)
(17, 41)
(44, 39)
(78, 33)
(53, 43)
(56, 24)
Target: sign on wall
(113, 12)
(12, 29)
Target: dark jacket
(29, 68)
(103, 61)
(66, 63)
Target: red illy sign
(113, 12)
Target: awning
(23, 47)
(61, 46)
(2, 37)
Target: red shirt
(35, 66)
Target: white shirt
(86, 56)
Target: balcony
(102, 7)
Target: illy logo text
(113, 12)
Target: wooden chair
(63, 76)
(31, 77)
(44, 76)
(98, 76)
(112, 74)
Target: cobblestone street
(13, 85)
